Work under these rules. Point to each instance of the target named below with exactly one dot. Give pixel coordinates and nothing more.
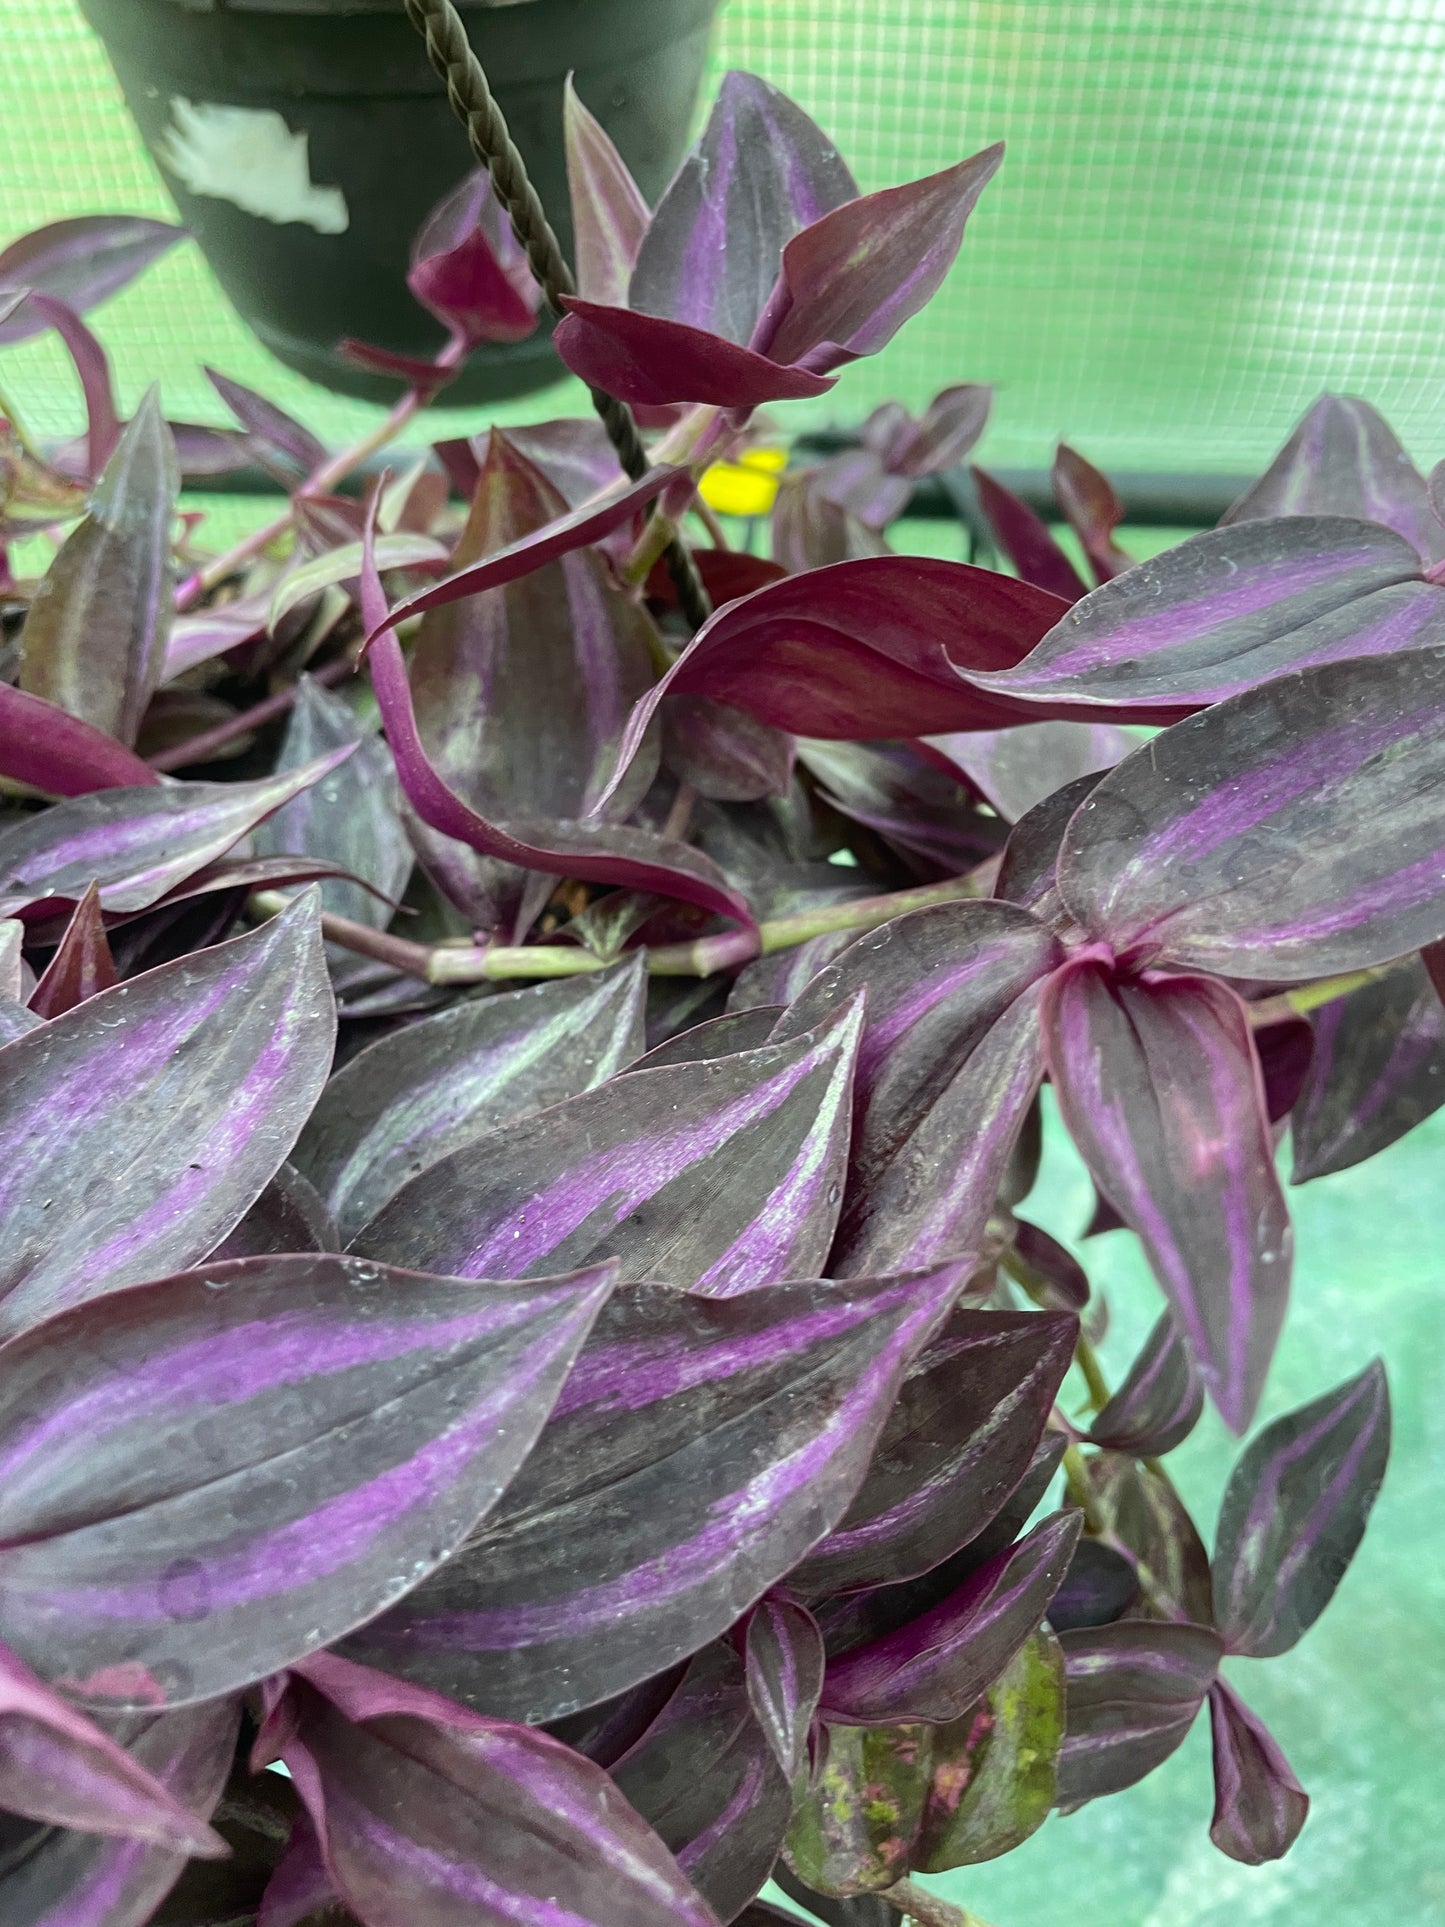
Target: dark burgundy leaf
(650, 362)
(1027, 872)
(1099, 1587)
(1286, 1051)
(1140, 1513)
(1294, 1512)
(1053, 1276)
(780, 978)
(1159, 1403)
(941, 437)
(723, 752)
(470, 270)
(288, 1216)
(701, 1449)
(784, 1662)
(82, 964)
(1288, 833)
(44, 746)
(1259, 1805)
(928, 815)
(1160, 1088)
(724, 1036)
(1025, 539)
(1092, 510)
(1134, 1689)
(1378, 1070)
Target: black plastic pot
(352, 80)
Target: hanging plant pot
(305, 141)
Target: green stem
(928, 1909)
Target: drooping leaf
(58, 1767)
(720, 1176)
(1014, 769)
(94, 641)
(92, 367)
(1288, 833)
(1159, 1086)
(74, 1879)
(1158, 1404)
(704, 1777)
(861, 650)
(1344, 459)
(1134, 1689)
(851, 279)
(137, 1128)
(471, 271)
(969, 1417)
(415, 1097)
(650, 362)
(1294, 1512)
(699, 1451)
(209, 1477)
(350, 816)
(784, 1659)
(1024, 537)
(761, 172)
(136, 845)
(1227, 610)
(948, 1063)
(82, 964)
(430, 1816)
(609, 213)
(1286, 1051)
(81, 262)
(1259, 1805)
(1092, 510)
(936, 1667)
(1377, 1071)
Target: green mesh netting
(1211, 210)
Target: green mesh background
(1211, 210)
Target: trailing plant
(590, 1432)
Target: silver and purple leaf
(1134, 1690)
(1259, 1805)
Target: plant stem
(472, 101)
(200, 749)
(1308, 997)
(1087, 1360)
(409, 958)
(927, 1909)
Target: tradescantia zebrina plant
(514, 1293)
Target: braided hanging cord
(473, 103)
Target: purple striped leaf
(59, 1768)
(136, 845)
(1345, 459)
(1294, 1512)
(415, 1097)
(94, 640)
(609, 213)
(1377, 1071)
(605, 1732)
(1014, 769)
(209, 1477)
(1286, 1051)
(300, 585)
(894, 789)
(1052, 1275)
(595, 852)
(927, 1799)
(940, 438)
(203, 1070)
(1024, 537)
(936, 1667)
(1225, 611)
(470, 270)
(1289, 833)
(724, 1036)
(705, 1777)
(700, 1450)
(82, 965)
(1159, 1403)
(81, 262)
(74, 1879)
(203, 634)
(778, 979)
(350, 817)
(1142, 1516)
(1092, 510)
(948, 1064)
(650, 362)
(860, 650)
(1160, 1088)
(851, 279)
(1259, 1805)
(269, 425)
(1099, 1587)
(719, 1176)
(1028, 870)
(430, 1816)
(1134, 1689)
(969, 1417)
(761, 172)
(784, 1661)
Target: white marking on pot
(251, 158)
